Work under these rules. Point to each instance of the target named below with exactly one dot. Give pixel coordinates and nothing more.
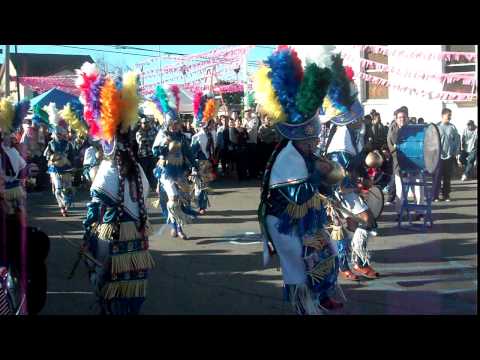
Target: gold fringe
(105, 231)
(138, 260)
(321, 270)
(337, 233)
(299, 211)
(156, 203)
(125, 289)
(14, 193)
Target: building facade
(389, 77)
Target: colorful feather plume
(210, 110)
(130, 100)
(21, 110)
(265, 95)
(110, 109)
(162, 98)
(176, 93)
(72, 119)
(197, 101)
(53, 116)
(312, 90)
(154, 109)
(7, 113)
(89, 83)
(340, 93)
(39, 115)
(317, 54)
(285, 81)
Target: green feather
(251, 99)
(312, 89)
(341, 80)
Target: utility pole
(7, 70)
(18, 85)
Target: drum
(374, 199)
(418, 148)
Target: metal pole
(7, 70)
(18, 85)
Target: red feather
(349, 72)
(298, 65)
(176, 92)
(281, 47)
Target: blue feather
(21, 110)
(201, 108)
(286, 83)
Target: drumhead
(431, 148)
(374, 200)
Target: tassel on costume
(125, 289)
(135, 261)
(301, 298)
(337, 233)
(14, 193)
(128, 231)
(359, 246)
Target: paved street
(218, 270)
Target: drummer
(401, 119)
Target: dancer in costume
(175, 161)
(292, 212)
(203, 147)
(116, 225)
(13, 168)
(59, 153)
(13, 197)
(345, 146)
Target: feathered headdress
(341, 105)
(11, 116)
(39, 116)
(290, 87)
(204, 108)
(73, 120)
(109, 105)
(165, 104)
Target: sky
(129, 57)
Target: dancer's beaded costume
(292, 211)
(116, 226)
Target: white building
(410, 71)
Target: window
(460, 67)
(374, 91)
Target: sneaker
(388, 203)
(436, 200)
(447, 199)
(367, 271)
(374, 233)
(182, 235)
(348, 275)
(173, 233)
(464, 177)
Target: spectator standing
(268, 139)
(241, 150)
(450, 148)
(223, 145)
(145, 137)
(379, 133)
(469, 148)
(251, 124)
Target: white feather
(89, 69)
(53, 117)
(318, 54)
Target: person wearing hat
(59, 154)
(116, 224)
(346, 146)
(92, 159)
(203, 149)
(290, 87)
(172, 148)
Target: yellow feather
(130, 100)
(73, 121)
(265, 95)
(156, 113)
(329, 109)
(7, 113)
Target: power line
(100, 50)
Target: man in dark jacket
(401, 120)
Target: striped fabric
(4, 307)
